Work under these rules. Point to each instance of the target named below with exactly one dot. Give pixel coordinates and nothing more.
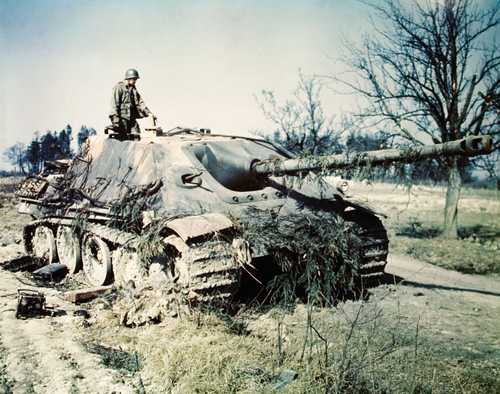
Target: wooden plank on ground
(77, 296)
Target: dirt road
(420, 274)
(46, 355)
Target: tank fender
(194, 226)
(364, 208)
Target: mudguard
(194, 226)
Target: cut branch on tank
(317, 252)
(129, 207)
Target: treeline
(51, 145)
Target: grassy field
(371, 347)
(414, 220)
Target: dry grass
(356, 348)
(471, 256)
(5, 381)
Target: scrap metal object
(30, 303)
(51, 272)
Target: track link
(375, 246)
(214, 276)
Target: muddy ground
(450, 323)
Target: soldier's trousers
(128, 126)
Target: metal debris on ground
(22, 263)
(30, 303)
(51, 273)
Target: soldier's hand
(115, 120)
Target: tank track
(375, 246)
(214, 276)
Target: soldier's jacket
(127, 103)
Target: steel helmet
(132, 73)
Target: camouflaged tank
(176, 198)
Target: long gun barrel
(468, 146)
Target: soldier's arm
(116, 98)
(141, 106)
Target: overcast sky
(201, 62)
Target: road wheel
(96, 259)
(44, 244)
(68, 249)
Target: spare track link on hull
(375, 246)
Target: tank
(167, 208)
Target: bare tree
(422, 70)
(491, 163)
(16, 155)
(300, 123)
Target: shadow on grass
(451, 288)
(390, 279)
(416, 229)
(483, 233)
(117, 359)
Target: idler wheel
(68, 249)
(44, 244)
(96, 259)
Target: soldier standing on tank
(127, 105)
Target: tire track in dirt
(476, 287)
(21, 363)
(91, 376)
(70, 367)
(44, 355)
(5, 380)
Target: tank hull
(180, 201)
